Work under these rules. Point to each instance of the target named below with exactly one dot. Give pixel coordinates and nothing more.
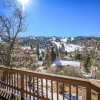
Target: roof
(40, 62)
(25, 47)
(66, 63)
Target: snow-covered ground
(68, 47)
(64, 40)
(58, 44)
(72, 47)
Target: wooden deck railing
(38, 86)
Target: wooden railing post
(98, 96)
(88, 93)
(22, 86)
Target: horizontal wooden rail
(42, 86)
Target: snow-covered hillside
(68, 43)
(72, 47)
(64, 40)
(68, 47)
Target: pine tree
(77, 55)
(66, 53)
(48, 57)
(37, 50)
(57, 52)
(53, 55)
(60, 52)
(87, 64)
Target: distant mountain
(70, 44)
(81, 40)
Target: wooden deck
(40, 86)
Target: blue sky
(63, 18)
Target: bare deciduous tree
(10, 25)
